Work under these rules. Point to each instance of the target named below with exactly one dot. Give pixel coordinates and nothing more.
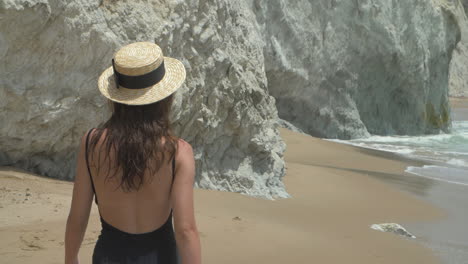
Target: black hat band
(141, 81)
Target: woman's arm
(188, 240)
(80, 208)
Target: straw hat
(144, 75)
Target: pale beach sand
(336, 195)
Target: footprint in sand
(34, 240)
(31, 241)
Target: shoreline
(447, 237)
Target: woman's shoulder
(92, 132)
(185, 160)
(183, 142)
(184, 146)
(184, 151)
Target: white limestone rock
(392, 228)
(51, 53)
(458, 85)
(344, 69)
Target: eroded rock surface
(52, 52)
(344, 69)
(458, 86)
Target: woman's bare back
(133, 212)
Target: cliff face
(336, 68)
(344, 69)
(52, 53)
(458, 82)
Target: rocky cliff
(52, 53)
(458, 82)
(344, 69)
(336, 68)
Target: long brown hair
(135, 133)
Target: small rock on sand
(394, 228)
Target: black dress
(115, 246)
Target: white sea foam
(449, 149)
(458, 162)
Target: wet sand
(337, 193)
(459, 102)
(449, 236)
(459, 108)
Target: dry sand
(335, 198)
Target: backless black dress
(115, 246)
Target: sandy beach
(336, 196)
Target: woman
(141, 175)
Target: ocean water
(446, 154)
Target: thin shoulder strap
(173, 176)
(173, 169)
(87, 165)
